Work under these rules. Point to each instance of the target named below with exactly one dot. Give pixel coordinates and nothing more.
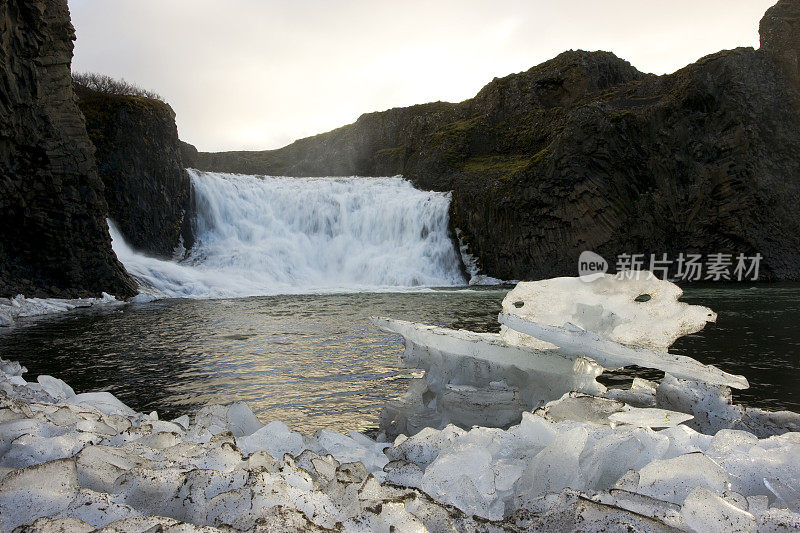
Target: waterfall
(277, 235)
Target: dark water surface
(316, 361)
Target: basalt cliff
(141, 163)
(53, 235)
(584, 152)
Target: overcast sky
(258, 74)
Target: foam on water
(273, 235)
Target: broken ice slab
(638, 309)
(604, 411)
(649, 417)
(576, 342)
(460, 357)
(477, 378)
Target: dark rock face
(140, 160)
(585, 152)
(53, 235)
(188, 154)
(780, 35)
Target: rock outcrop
(141, 163)
(780, 35)
(585, 152)
(53, 236)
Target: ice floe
(671, 456)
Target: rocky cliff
(585, 152)
(141, 163)
(53, 235)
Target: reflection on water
(311, 361)
(316, 361)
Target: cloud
(257, 74)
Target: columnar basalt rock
(780, 35)
(53, 235)
(141, 163)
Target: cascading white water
(274, 235)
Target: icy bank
(78, 462)
(20, 307)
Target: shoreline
(88, 457)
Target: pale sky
(258, 74)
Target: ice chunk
(104, 402)
(389, 517)
(705, 511)
(56, 388)
(466, 368)
(603, 411)
(711, 405)
(466, 480)
(778, 521)
(493, 406)
(11, 368)
(275, 438)
(673, 479)
(37, 491)
(19, 306)
(54, 477)
(610, 306)
(649, 417)
(151, 491)
(581, 408)
(241, 420)
(404, 473)
(683, 440)
(728, 441)
(767, 423)
(96, 509)
(100, 466)
(785, 495)
(59, 525)
(554, 468)
(183, 421)
(576, 342)
(642, 393)
(6, 318)
(12, 429)
(489, 379)
(442, 351)
(667, 512)
(28, 450)
(605, 460)
(573, 511)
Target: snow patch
(12, 309)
